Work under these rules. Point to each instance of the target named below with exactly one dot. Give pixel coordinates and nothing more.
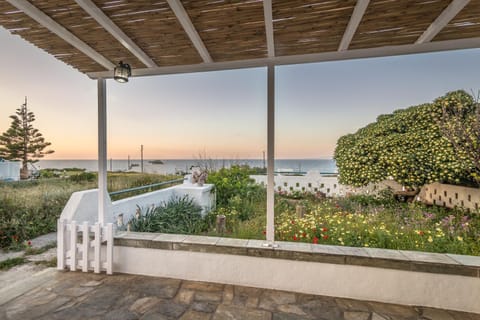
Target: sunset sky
(221, 114)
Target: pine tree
(22, 141)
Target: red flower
(421, 233)
(293, 221)
(324, 229)
(315, 240)
(295, 238)
(29, 243)
(325, 237)
(264, 232)
(304, 235)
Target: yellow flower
(460, 238)
(430, 239)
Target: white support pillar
(270, 153)
(102, 150)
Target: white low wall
(451, 196)
(83, 205)
(313, 181)
(347, 281)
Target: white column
(102, 150)
(270, 153)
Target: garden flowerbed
(366, 221)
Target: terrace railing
(80, 247)
(146, 187)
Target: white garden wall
(313, 181)
(451, 196)
(83, 205)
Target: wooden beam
(267, 12)
(189, 28)
(442, 20)
(305, 58)
(115, 31)
(353, 24)
(47, 22)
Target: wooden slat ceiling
(233, 30)
(393, 22)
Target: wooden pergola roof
(157, 37)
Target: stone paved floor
(76, 295)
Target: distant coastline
(171, 166)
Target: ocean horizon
(171, 166)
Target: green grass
(10, 263)
(49, 264)
(29, 251)
(31, 208)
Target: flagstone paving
(76, 295)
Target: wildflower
(324, 229)
(29, 243)
(264, 232)
(325, 237)
(315, 240)
(460, 238)
(295, 238)
(430, 239)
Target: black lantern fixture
(122, 72)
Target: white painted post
(60, 244)
(85, 245)
(102, 150)
(270, 153)
(73, 246)
(97, 242)
(109, 236)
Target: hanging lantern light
(122, 72)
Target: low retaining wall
(83, 205)
(451, 196)
(401, 277)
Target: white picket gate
(79, 246)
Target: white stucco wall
(10, 170)
(451, 196)
(348, 281)
(83, 205)
(313, 181)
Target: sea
(172, 166)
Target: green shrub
(83, 177)
(49, 173)
(236, 190)
(177, 215)
(407, 145)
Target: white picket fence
(80, 246)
